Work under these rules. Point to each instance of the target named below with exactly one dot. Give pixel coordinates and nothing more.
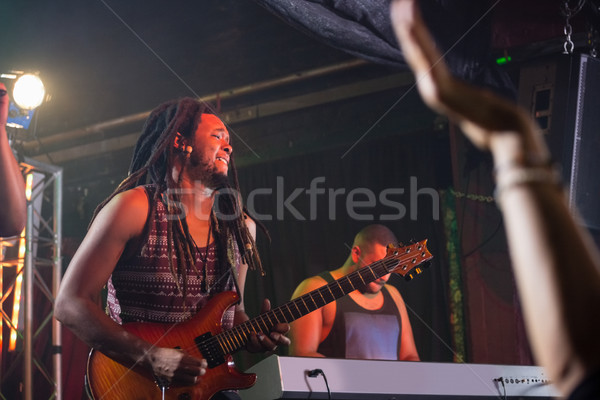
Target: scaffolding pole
(43, 237)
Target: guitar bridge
(211, 349)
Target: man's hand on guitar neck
(260, 343)
(171, 365)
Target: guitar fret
(265, 327)
(288, 311)
(236, 338)
(314, 302)
(322, 298)
(306, 309)
(231, 341)
(238, 335)
(372, 273)
(217, 348)
(340, 287)
(220, 345)
(351, 285)
(269, 315)
(281, 318)
(383, 269)
(328, 298)
(243, 335)
(246, 330)
(318, 299)
(291, 315)
(295, 303)
(254, 325)
(225, 344)
(360, 276)
(309, 307)
(331, 292)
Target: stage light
(28, 92)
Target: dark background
(362, 125)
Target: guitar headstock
(409, 258)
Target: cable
(501, 380)
(313, 373)
(486, 241)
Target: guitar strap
(233, 256)
(232, 272)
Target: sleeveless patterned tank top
(142, 288)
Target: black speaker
(563, 94)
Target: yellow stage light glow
(29, 92)
(12, 342)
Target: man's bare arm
(306, 332)
(78, 301)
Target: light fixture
(27, 92)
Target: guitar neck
(403, 261)
(236, 338)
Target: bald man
(369, 323)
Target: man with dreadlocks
(168, 238)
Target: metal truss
(30, 274)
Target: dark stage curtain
(304, 244)
(461, 28)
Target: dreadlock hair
(153, 157)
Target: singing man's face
(209, 161)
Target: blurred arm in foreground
(13, 212)
(555, 262)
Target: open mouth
(223, 160)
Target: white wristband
(514, 177)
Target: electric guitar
(202, 336)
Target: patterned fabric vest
(363, 334)
(142, 288)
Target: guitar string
(214, 340)
(165, 334)
(273, 314)
(154, 344)
(233, 339)
(391, 262)
(236, 337)
(216, 337)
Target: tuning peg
(413, 273)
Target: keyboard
(307, 378)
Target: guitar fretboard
(402, 261)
